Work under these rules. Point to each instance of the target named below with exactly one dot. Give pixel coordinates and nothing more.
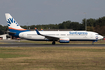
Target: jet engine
(64, 40)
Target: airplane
(62, 36)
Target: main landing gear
(53, 43)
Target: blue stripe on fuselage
(16, 32)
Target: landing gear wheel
(53, 43)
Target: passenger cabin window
(53, 34)
(62, 34)
(97, 34)
(31, 34)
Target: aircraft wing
(47, 36)
(10, 32)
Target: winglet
(37, 31)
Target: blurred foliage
(97, 25)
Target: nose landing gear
(94, 41)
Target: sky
(38, 12)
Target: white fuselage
(72, 35)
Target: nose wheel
(92, 42)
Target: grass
(52, 58)
(10, 53)
(3, 43)
(3, 55)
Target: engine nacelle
(64, 40)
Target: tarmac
(13, 43)
(50, 45)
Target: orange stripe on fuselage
(64, 39)
(16, 29)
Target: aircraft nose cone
(101, 37)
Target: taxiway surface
(13, 43)
(50, 45)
